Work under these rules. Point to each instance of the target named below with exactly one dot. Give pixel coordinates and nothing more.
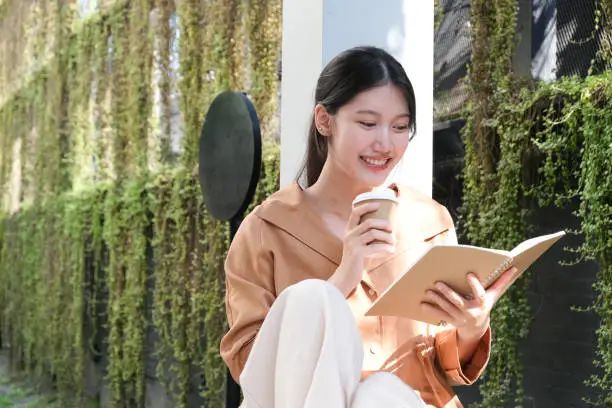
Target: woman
(302, 270)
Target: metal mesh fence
(563, 34)
(452, 49)
(577, 38)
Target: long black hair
(344, 77)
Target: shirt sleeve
(446, 347)
(250, 292)
(447, 355)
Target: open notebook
(450, 264)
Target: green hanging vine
(528, 148)
(596, 214)
(93, 218)
(576, 143)
(494, 202)
(264, 30)
(604, 13)
(194, 93)
(165, 8)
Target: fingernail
(440, 286)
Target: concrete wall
(559, 350)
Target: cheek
(351, 142)
(401, 142)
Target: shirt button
(371, 292)
(373, 349)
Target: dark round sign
(230, 155)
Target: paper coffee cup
(387, 207)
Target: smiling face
(369, 135)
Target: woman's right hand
(358, 246)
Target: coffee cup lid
(382, 194)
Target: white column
(302, 61)
(314, 31)
(544, 61)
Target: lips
(375, 162)
(378, 163)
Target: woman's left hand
(470, 316)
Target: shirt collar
(419, 219)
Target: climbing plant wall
(528, 146)
(101, 106)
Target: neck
(335, 191)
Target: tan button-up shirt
(284, 241)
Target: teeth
(375, 162)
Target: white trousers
(308, 354)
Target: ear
(323, 120)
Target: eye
(367, 124)
(401, 128)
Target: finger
(375, 250)
(442, 317)
(478, 291)
(451, 295)
(358, 212)
(502, 283)
(373, 223)
(377, 235)
(440, 301)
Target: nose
(383, 141)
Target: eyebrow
(371, 112)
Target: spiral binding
(502, 268)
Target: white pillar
(544, 61)
(314, 31)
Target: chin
(370, 182)
(364, 179)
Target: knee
(308, 287)
(311, 292)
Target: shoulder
(288, 198)
(250, 226)
(280, 208)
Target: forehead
(386, 99)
